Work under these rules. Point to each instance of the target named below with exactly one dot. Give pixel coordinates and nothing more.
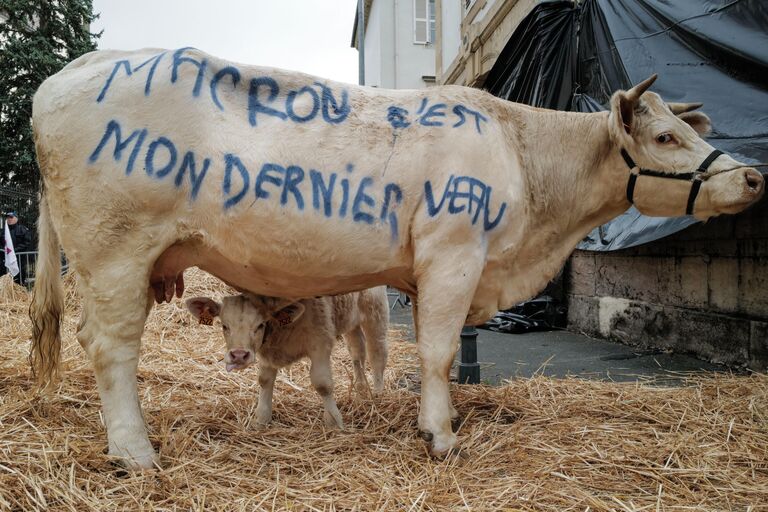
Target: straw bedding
(532, 444)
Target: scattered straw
(533, 444)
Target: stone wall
(703, 291)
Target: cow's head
(666, 137)
(245, 321)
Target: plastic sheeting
(570, 57)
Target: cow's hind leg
(110, 332)
(356, 347)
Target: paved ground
(561, 353)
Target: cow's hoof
(443, 445)
(136, 462)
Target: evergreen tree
(37, 38)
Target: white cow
(280, 332)
(286, 185)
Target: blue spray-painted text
(264, 97)
(331, 194)
(435, 114)
(465, 194)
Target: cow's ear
(681, 108)
(623, 105)
(288, 314)
(699, 121)
(623, 112)
(204, 309)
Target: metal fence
(22, 202)
(27, 266)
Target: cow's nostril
(754, 179)
(239, 355)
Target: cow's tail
(47, 304)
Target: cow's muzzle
(238, 359)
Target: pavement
(564, 353)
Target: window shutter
(420, 22)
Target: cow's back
(300, 179)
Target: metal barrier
(27, 261)
(398, 295)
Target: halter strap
(694, 177)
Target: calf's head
(664, 142)
(246, 321)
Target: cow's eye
(665, 138)
(225, 327)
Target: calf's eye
(225, 327)
(665, 138)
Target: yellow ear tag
(206, 318)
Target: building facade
(470, 35)
(399, 43)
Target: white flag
(10, 255)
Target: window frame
(417, 20)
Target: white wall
(373, 46)
(412, 61)
(451, 14)
(392, 60)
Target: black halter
(695, 177)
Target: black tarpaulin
(570, 57)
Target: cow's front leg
(441, 312)
(267, 375)
(111, 335)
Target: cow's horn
(682, 108)
(638, 90)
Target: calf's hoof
(135, 461)
(333, 421)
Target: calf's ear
(288, 314)
(204, 309)
(699, 121)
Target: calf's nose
(239, 356)
(755, 180)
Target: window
(423, 21)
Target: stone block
(635, 278)
(716, 338)
(724, 285)
(687, 285)
(758, 347)
(583, 314)
(581, 274)
(753, 287)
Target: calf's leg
(267, 375)
(322, 380)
